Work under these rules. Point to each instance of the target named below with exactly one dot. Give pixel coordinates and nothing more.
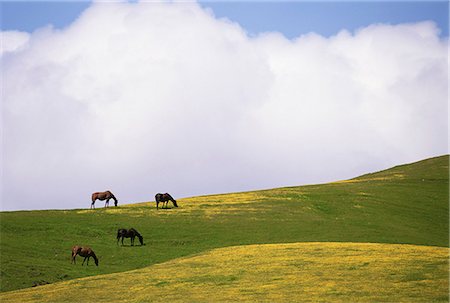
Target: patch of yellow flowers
(296, 272)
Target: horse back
(168, 197)
(163, 197)
(102, 195)
(85, 251)
(98, 195)
(132, 232)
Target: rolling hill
(290, 272)
(407, 204)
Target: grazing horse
(130, 233)
(85, 252)
(106, 195)
(164, 198)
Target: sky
(291, 18)
(211, 97)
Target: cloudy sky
(195, 99)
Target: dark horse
(164, 198)
(129, 233)
(107, 195)
(85, 252)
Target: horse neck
(93, 256)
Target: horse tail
(157, 199)
(75, 250)
(119, 234)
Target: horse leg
(83, 261)
(107, 202)
(93, 204)
(132, 241)
(157, 204)
(73, 258)
(122, 240)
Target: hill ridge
(443, 160)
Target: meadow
(313, 242)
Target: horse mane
(136, 232)
(112, 196)
(169, 196)
(94, 256)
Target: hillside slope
(296, 272)
(407, 204)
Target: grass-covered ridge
(405, 205)
(292, 272)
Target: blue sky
(290, 18)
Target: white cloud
(12, 41)
(148, 97)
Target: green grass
(293, 272)
(405, 205)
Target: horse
(130, 233)
(107, 195)
(164, 198)
(85, 252)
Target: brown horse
(129, 233)
(106, 195)
(164, 198)
(85, 252)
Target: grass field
(404, 205)
(315, 272)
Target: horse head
(141, 239)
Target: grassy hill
(407, 204)
(293, 272)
